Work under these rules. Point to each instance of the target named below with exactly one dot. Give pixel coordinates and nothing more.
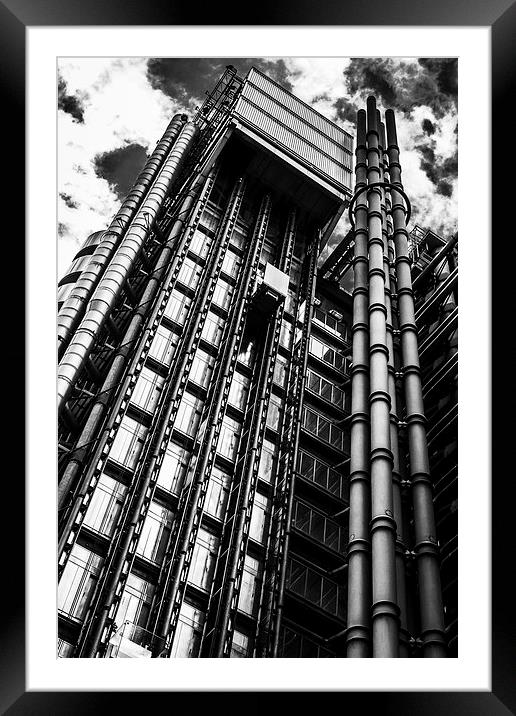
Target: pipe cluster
(382, 299)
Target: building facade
(213, 460)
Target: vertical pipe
(390, 288)
(112, 281)
(426, 547)
(358, 634)
(73, 308)
(385, 627)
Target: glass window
(238, 237)
(135, 602)
(266, 464)
(238, 390)
(247, 601)
(128, 442)
(280, 371)
(273, 413)
(173, 468)
(229, 436)
(155, 532)
(217, 493)
(163, 345)
(231, 263)
(287, 331)
(202, 368)
(177, 307)
(200, 244)
(78, 581)
(105, 505)
(187, 638)
(247, 352)
(64, 649)
(327, 354)
(189, 273)
(239, 645)
(210, 219)
(213, 329)
(188, 414)
(203, 559)
(147, 390)
(259, 516)
(222, 293)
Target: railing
(295, 645)
(321, 528)
(131, 641)
(323, 428)
(319, 590)
(323, 475)
(325, 389)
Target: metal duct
(74, 306)
(358, 636)
(385, 623)
(392, 362)
(426, 546)
(112, 281)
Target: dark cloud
(346, 110)
(120, 167)
(428, 127)
(70, 203)
(62, 229)
(189, 79)
(71, 104)
(441, 172)
(404, 85)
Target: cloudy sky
(112, 112)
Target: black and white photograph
(257, 342)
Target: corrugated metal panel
(312, 134)
(307, 152)
(295, 105)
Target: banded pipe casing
(358, 634)
(74, 306)
(385, 611)
(426, 546)
(393, 360)
(113, 279)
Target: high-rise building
(245, 468)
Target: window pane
(135, 602)
(200, 244)
(155, 532)
(78, 581)
(202, 367)
(238, 390)
(163, 346)
(147, 390)
(203, 559)
(213, 329)
(178, 306)
(266, 464)
(247, 601)
(105, 505)
(128, 442)
(217, 493)
(188, 414)
(173, 468)
(188, 632)
(229, 437)
(259, 517)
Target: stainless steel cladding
(313, 140)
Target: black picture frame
(500, 16)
